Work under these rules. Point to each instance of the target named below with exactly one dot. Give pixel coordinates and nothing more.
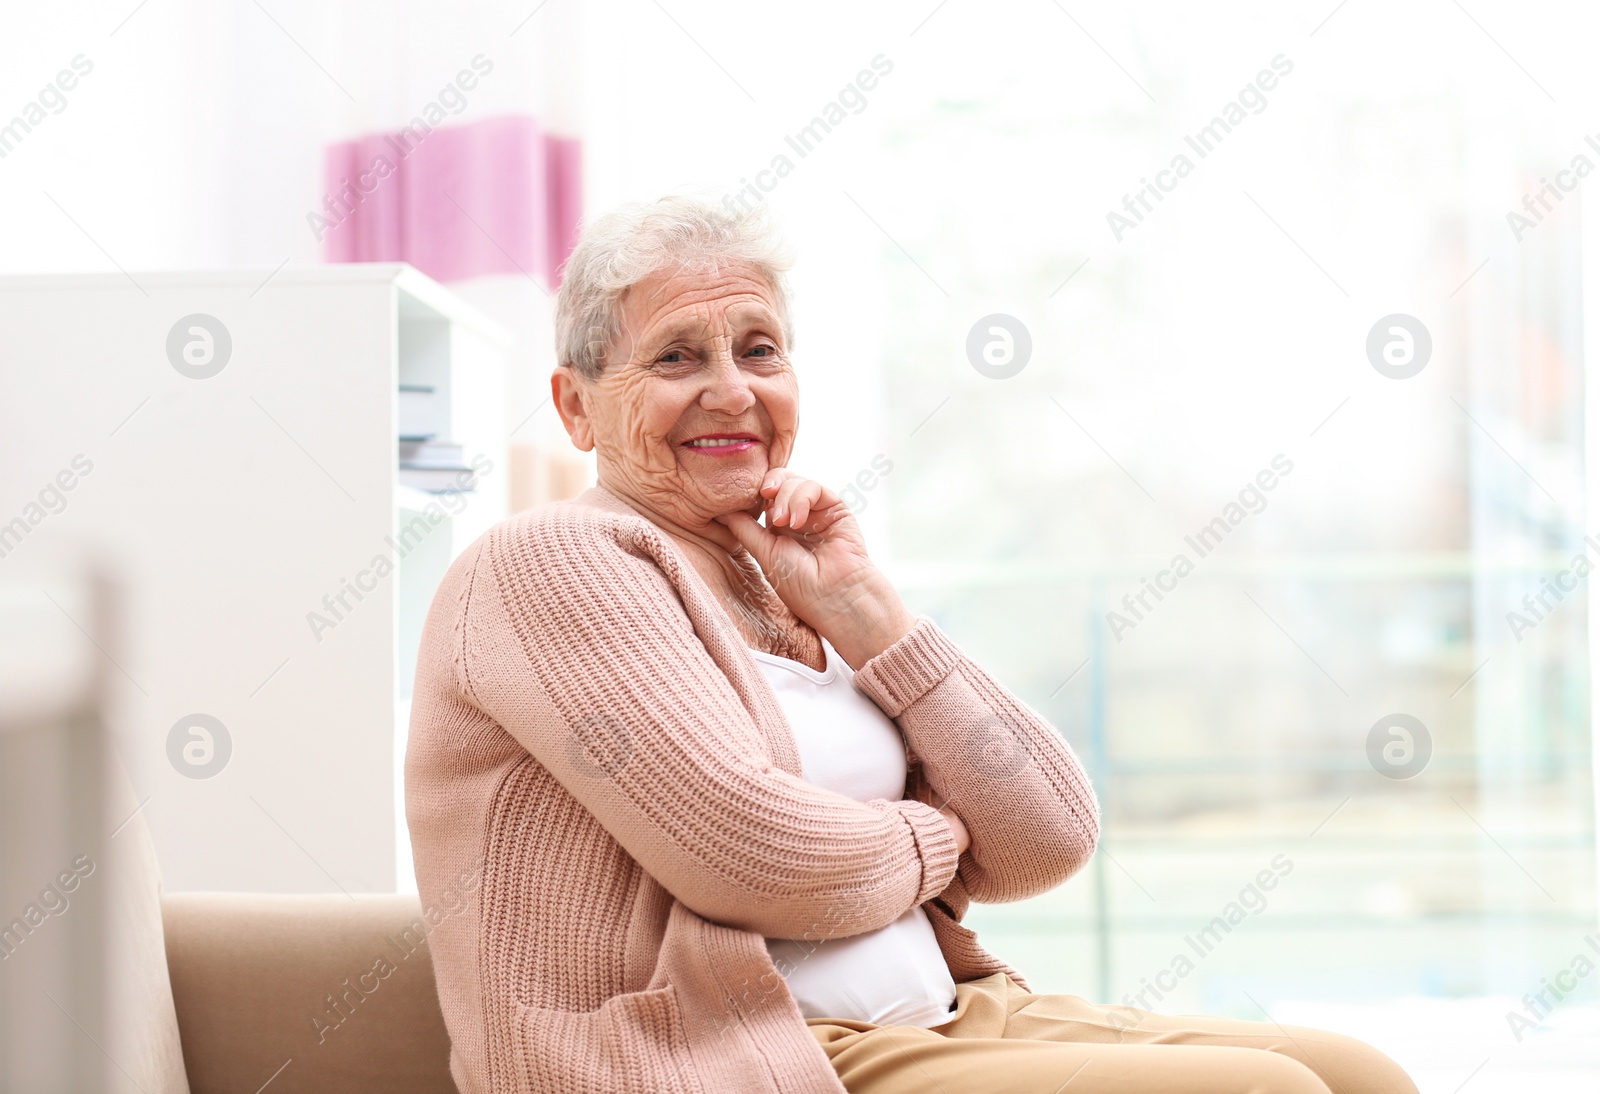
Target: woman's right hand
(814, 555)
(963, 837)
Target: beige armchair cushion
(310, 993)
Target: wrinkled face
(698, 399)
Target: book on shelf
(431, 453)
(438, 467)
(440, 480)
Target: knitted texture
(608, 817)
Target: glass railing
(1253, 848)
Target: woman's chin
(727, 497)
(746, 502)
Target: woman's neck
(763, 620)
(681, 526)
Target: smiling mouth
(722, 444)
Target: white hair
(631, 243)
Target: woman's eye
(671, 357)
(763, 351)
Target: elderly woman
(721, 797)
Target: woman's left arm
(1023, 795)
(1001, 768)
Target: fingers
(772, 487)
(752, 537)
(793, 498)
(779, 559)
(781, 554)
(958, 829)
(792, 507)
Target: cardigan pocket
(633, 1043)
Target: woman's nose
(728, 390)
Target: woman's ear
(566, 392)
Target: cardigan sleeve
(1023, 795)
(577, 644)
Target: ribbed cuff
(936, 844)
(909, 669)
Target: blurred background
(1193, 233)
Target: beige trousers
(1005, 1039)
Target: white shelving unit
(277, 572)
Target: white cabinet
(227, 442)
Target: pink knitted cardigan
(608, 816)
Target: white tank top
(895, 975)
